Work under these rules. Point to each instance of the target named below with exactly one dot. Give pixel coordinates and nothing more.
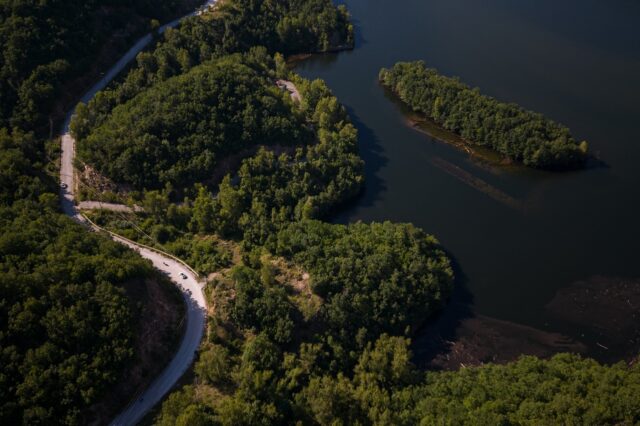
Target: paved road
(191, 289)
(196, 313)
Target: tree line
(509, 129)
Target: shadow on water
(359, 34)
(372, 153)
(435, 337)
(358, 28)
(458, 337)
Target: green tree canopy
(523, 135)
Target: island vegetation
(507, 128)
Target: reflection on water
(576, 62)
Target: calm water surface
(578, 62)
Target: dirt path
(291, 88)
(99, 205)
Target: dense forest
(274, 331)
(178, 131)
(235, 26)
(315, 170)
(514, 132)
(47, 44)
(385, 388)
(67, 319)
(312, 321)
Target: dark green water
(578, 62)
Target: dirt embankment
(161, 319)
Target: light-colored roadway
(190, 287)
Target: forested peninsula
(514, 132)
(309, 321)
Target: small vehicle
(63, 185)
(183, 275)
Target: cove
(576, 62)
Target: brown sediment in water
(294, 60)
(609, 308)
(483, 157)
(479, 340)
(477, 183)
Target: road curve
(190, 287)
(196, 314)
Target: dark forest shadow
(372, 152)
(435, 336)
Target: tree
(214, 365)
(156, 203)
(203, 219)
(386, 364)
(330, 401)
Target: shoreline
(293, 60)
(486, 156)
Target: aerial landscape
(323, 212)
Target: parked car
(183, 275)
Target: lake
(577, 62)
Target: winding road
(179, 273)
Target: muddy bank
(607, 309)
(479, 340)
(598, 317)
